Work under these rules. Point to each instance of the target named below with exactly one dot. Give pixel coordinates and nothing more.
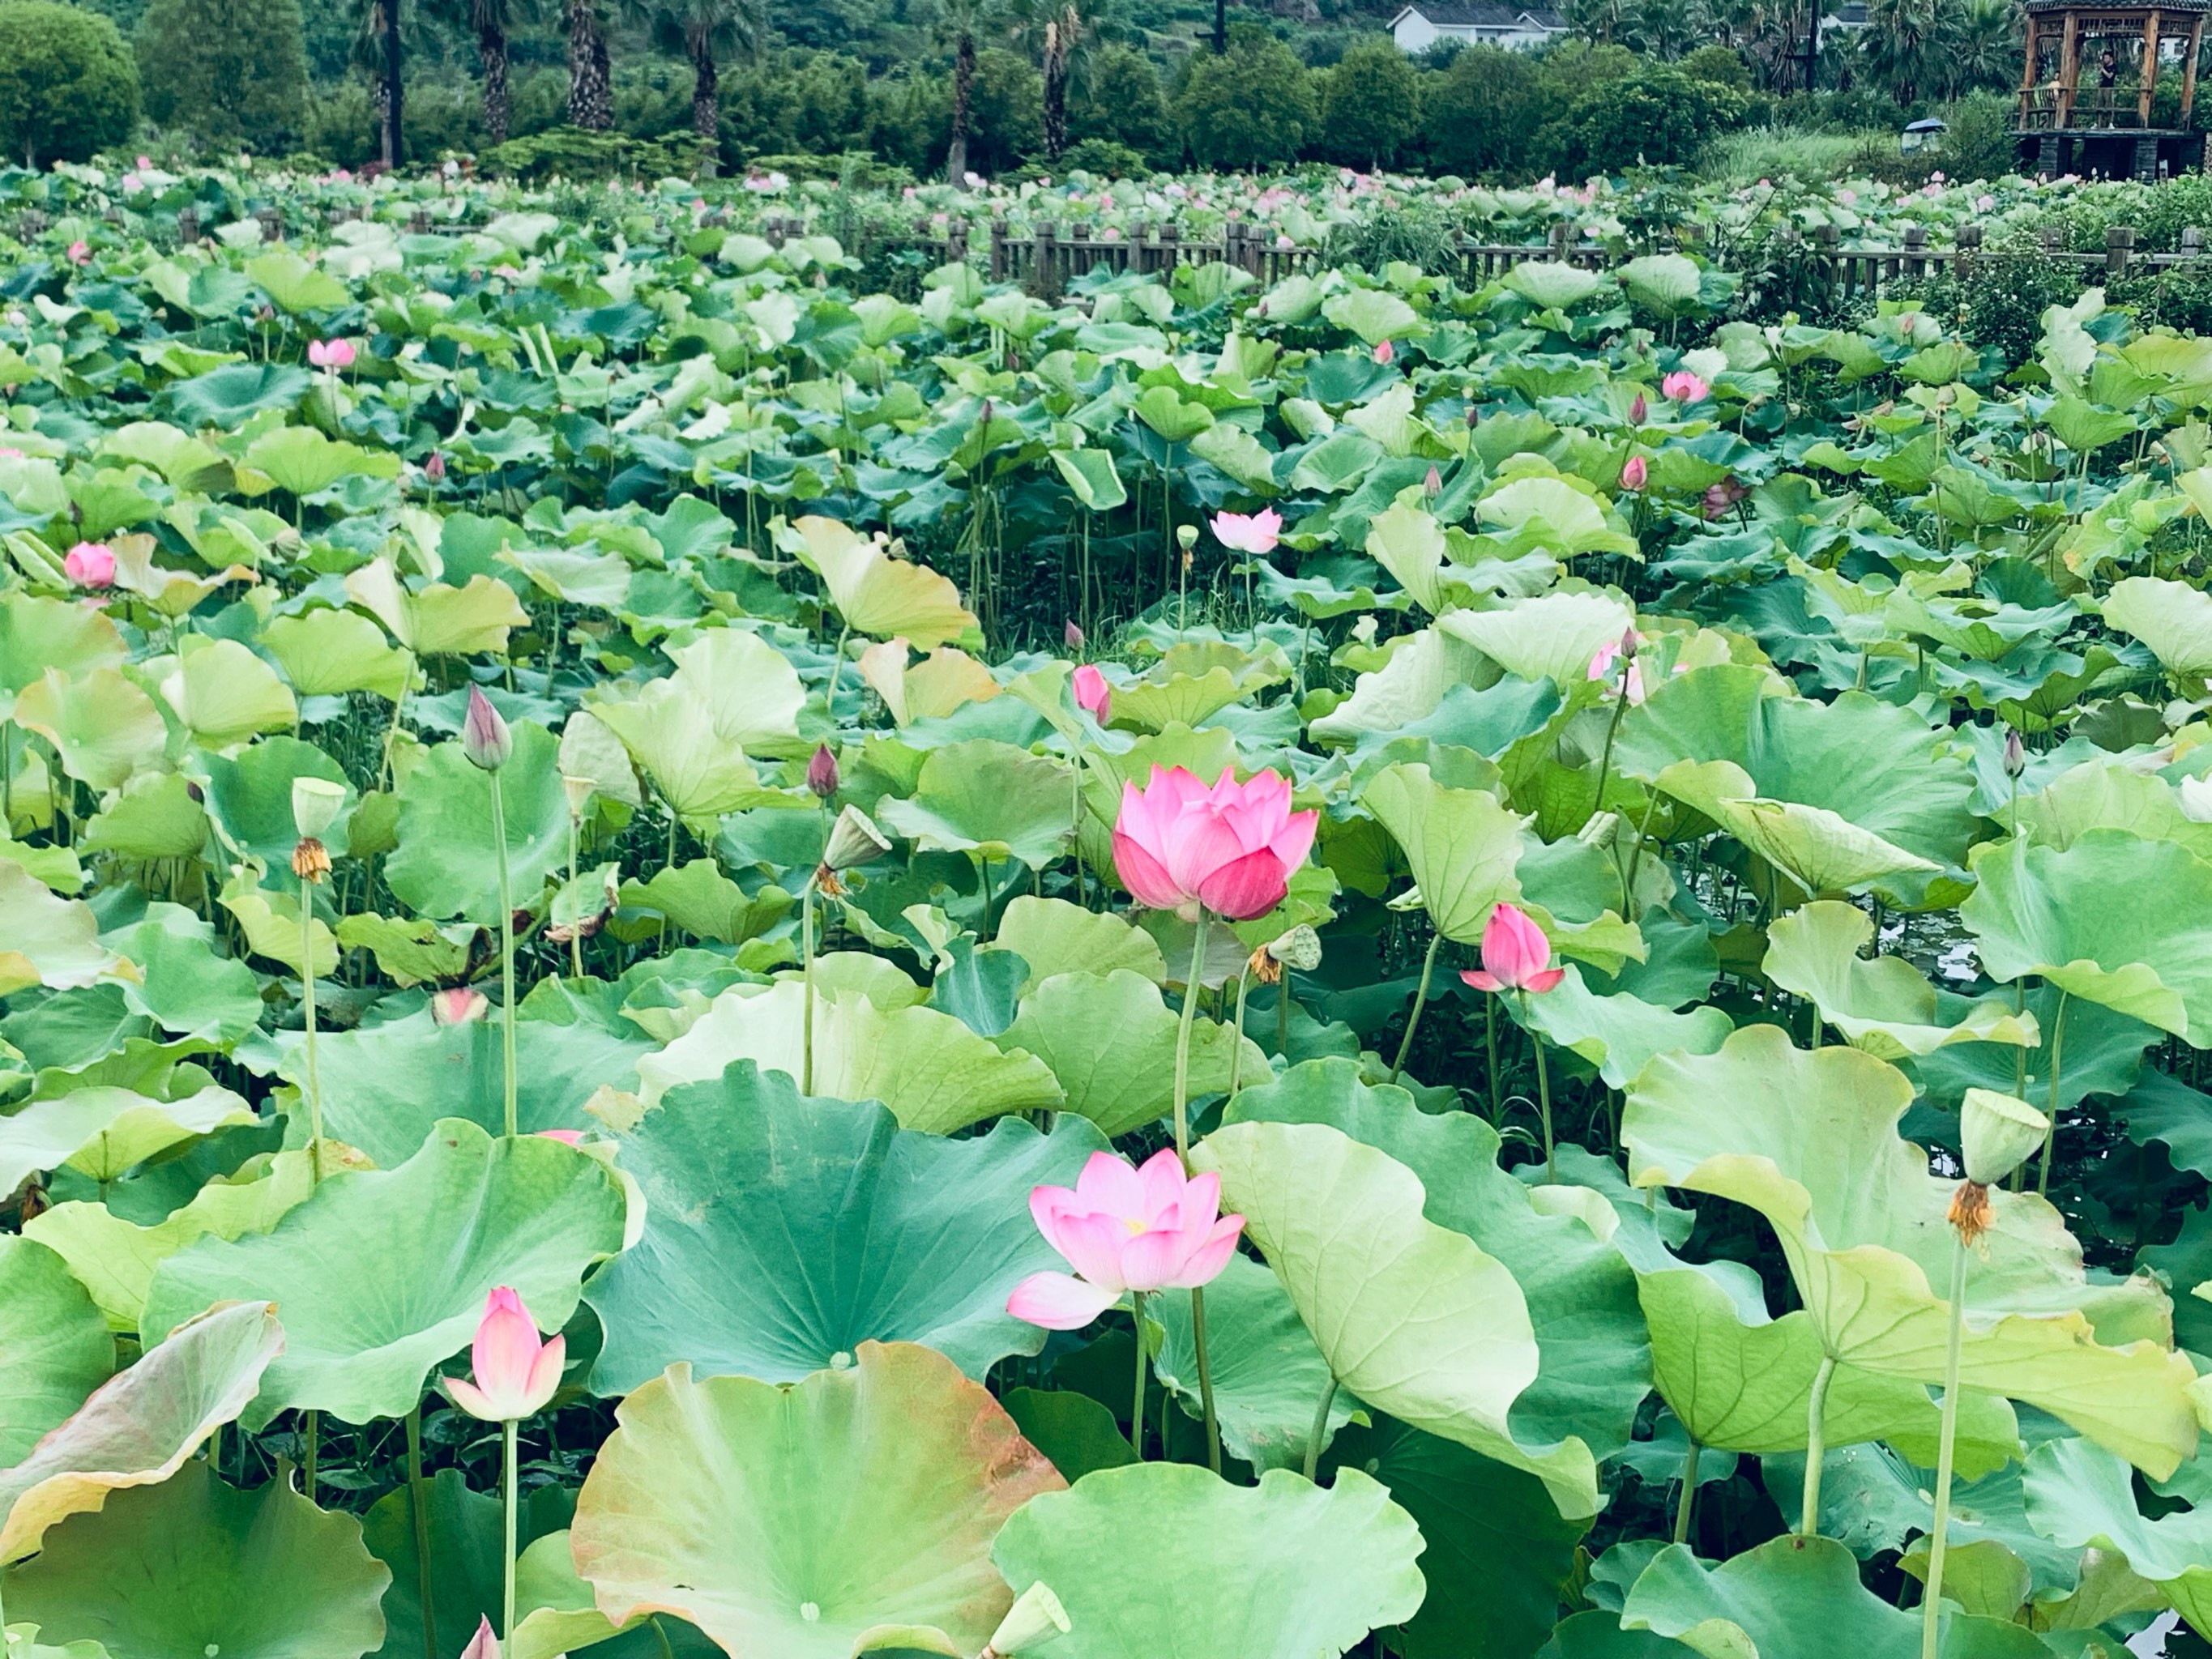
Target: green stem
(311, 1433)
(1283, 1016)
(806, 982)
(1490, 1043)
(1237, 1043)
(505, 946)
(2050, 1127)
(836, 673)
(1605, 758)
(1319, 1433)
(576, 932)
(1191, 979)
(1816, 1448)
(1137, 1407)
(1543, 1095)
(509, 1434)
(308, 1006)
(1421, 1001)
(1205, 1381)
(398, 708)
(1686, 1507)
(1939, 1537)
(418, 1504)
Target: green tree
(1371, 103)
(702, 32)
(1656, 117)
(960, 22)
(1117, 98)
(1906, 47)
(1480, 114)
(1007, 111)
(1722, 65)
(231, 70)
(1253, 107)
(67, 86)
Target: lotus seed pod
(853, 839)
(315, 804)
(578, 792)
(1300, 949)
(1035, 1618)
(1998, 1131)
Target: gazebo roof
(2127, 9)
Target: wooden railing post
(2119, 248)
(1045, 280)
(1556, 243)
(1915, 250)
(1829, 238)
(188, 226)
(1171, 239)
(1968, 248)
(998, 250)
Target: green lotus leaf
(1551, 515)
(751, 689)
(101, 725)
(933, 1072)
(2079, 1495)
(706, 1502)
(670, 732)
(1598, 1636)
(173, 593)
(57, 1348)
(599, 582)
(187, 989)
(48, 939)
(446, 866)
(1885, 1006)
(781, 1233)
(252, 1574)
(104, 1129)
(1374, 314)
(465, 1531)
(1580, 1291)
(1809, 1139)
(327, 653)
(1553, 286)
(1551, 637)
(224, 695)
(226, 398)
(1667, 283)
(140, 1426)
(1235, 453)
(438, 620)
(703, 901)
(249, 796)
(1055, 936)
(1090, 476)
(39, 633)
(1177, 420)
(557, 1614)
(1111, 1039)
(2173, 619)
(301, 461)
(1409, 543)
(1619, 1033)
(877, 594)
(152, 816)
(114, 1258)
(294, 284)
(990, 800)
(1268, 1377)
(1166, 1561)
(1462, 845)
(1413, 1317)
(1823, 851)
(2106, 795)
(466, 1214)
(2078, 919)
(271, 925)
(1076, 1433)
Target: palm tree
(963, 21)
(1058, 31)
(704, 30)
(492, 20)
(1905, 46)
(591, 92)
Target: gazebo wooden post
(2150, 69)
(2069, 68)
(2189, 70)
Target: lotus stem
(506, 947)
(307, 1007)
(1205, 1381)
(1605, 758)
(418, 1506)
(1816, 1411)
(836, 673)
(807, 981)
(576, 930)
(311, 1434)
(1686, 1506)
(2051, 1124)
(1490, 1043)
(1421, 1001)
(1237, 1037)
(1137, 1407)
(1193, 975)
(509, 1435)
(1932, 1606)
(1319, 1433)
(1543, 1096)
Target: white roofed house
(1421, 25)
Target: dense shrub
(1482, 113)
(1252, 107)
(233, 72)
(574, 152)
(1655, 117)
(67, 86)
(1370, 104)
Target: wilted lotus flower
(822, 772)
(1684, 387)
(1180, 845)
(1635, 474)
(1124, 1230)
(458, 1005)
(90, 564)
(517, 1371)
(330, 354)
(1515, 955)
(1254, 532)
(484, 737)
(1092, 694)
(854, 840)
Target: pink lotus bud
(1124, 1230)
(433, 468)
(1074, 637)
(90, 564)
(1639, 411)
(1515, 955)
(517, 1371)
(79, 253)
(484, 737)
(484, 1644)
(1634, 475)
(2015, 754)
(1385, 353)
(330, 354)
(1092, 693)
(822, 772)
(1433, 485)
(458, 1005)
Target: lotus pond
(695, 960)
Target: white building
(1420, 26)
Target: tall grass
(1756, 153)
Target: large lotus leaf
(140, 1427)
(250, 796)
(225, 695)
(2106, 794)
(700, 900)
(327, 653)
(294, 284)
(749, 687)
(1408, 542)
(39, 633)
(187, 989)
(1111, 1040)
(1822, 850)
(114, 1258)
(1809, 1139)
(1885, 1006)
(781, 1233)
(439, 620)
(876, 593)
(54, 1346)
(270, 923)
(302, 461)
(1598, 1636)
(2079, 918)
(990, 799)
(1413, 1317)
(1668, 283)
(2173, 619)
(152, 816)
(1374, 314)
(1553, 285)
(213, 1570)
(934, 1072)
(466, 1214)
(1550, 637)
(1460, 843)
(1055, 936)
(446, 865)
(102, 725)
(1798, 1598)
(1619, 1033)
(104, 1129)
(226, 398)
(2079, 1495)
(1267, 1376)
(790, 1520)
(1166, 1561)
(669, 730)
(1580, 1291)
(1551, 515)
(48, 939)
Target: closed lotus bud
(854, 840)
(1074, 637)
(1473, 418)
(1433, 485)
(435, 468)
(1628, 642)
(822, 772)
(1639, 411)
(2015, 754)
(484, 737)
(1035, 1618)
(315, 804)
(1998, 1132)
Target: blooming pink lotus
(1230, 848)
(90, 564)
(517, 1371)
(1601, 665)
(330, 354)
(1636, 473)
(1092, 694)
(1684, 387)
(1515, 955)
(1255, 533)
(80, 253)
(1125, 1230)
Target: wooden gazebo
(2089, 95)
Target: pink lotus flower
(566, 1136)
(1634, 475)
(1601, 665)
(433, 468)
(517, 1371)
(458, 1005)
(330, 354)
(1685, 387)
(1515, 955)
(1639, 411)
(485, 739)
(1179, 845)
(90, 564)
(1124, 1230)
(79, 253)
(1092, 693)
(1255, 533)
(1385, 352)
(484, 1644)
